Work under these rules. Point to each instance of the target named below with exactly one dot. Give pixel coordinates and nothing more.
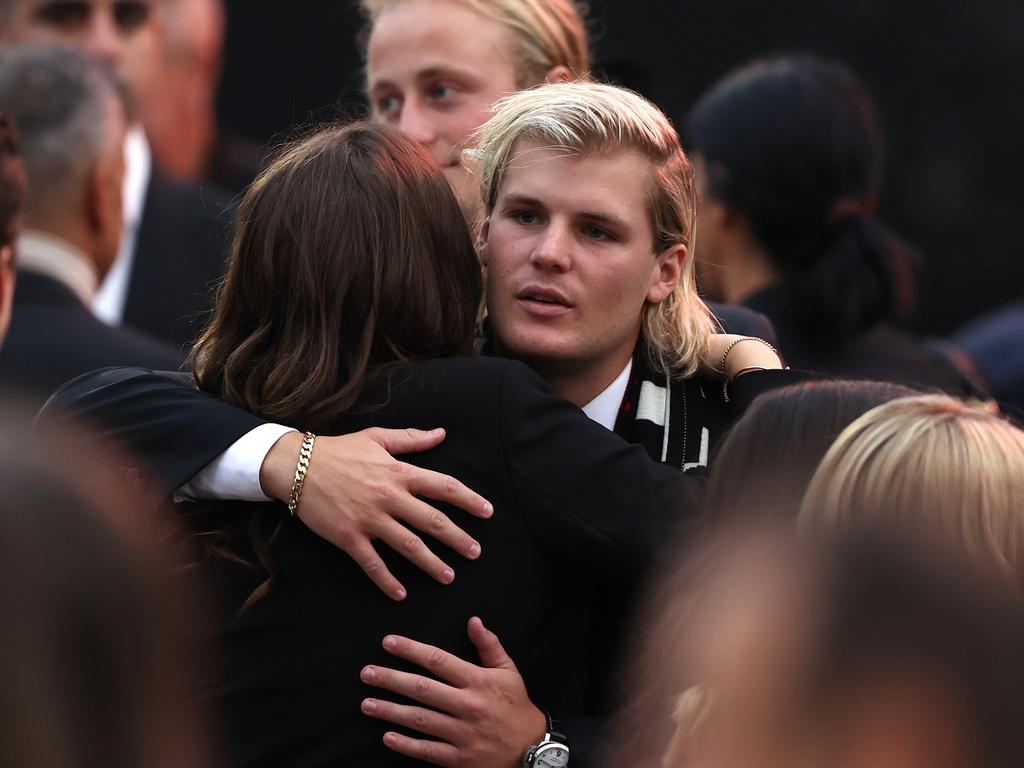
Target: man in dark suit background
(175, 233)
(72, 131)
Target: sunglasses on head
(69, 15)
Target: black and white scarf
(678, 422)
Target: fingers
(426, 721)
(399, 441)
(440, 487)
(428, 751)
(431, 521)
(367, 558)
(438, 662)
(422, 690)
(411, 547)
(492, 653)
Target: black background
(946, 75)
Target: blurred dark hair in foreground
(93, 656)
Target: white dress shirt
(55, 257)
(110, 301)
(235, 474)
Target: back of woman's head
(793, 145)
(350, 254)
(933, 464)
(93, 652)
(769, 456)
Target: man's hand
(481, 716)
(356, 491)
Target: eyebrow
(603, 218)
(430, 74)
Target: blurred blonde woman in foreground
(929, 462)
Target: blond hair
(928, 460)
(545, 33)
(589, 117)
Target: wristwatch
(552, 751)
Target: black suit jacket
(179, 257)
(575, 507)
(744, 321)
(54, 337)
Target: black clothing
(881, 353)
(54, 337)
(743, 321)
(578, 513)
(179, 256)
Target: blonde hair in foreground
(589, 117)
(933, 462)
(546, 33)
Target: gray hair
(60, 102)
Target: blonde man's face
(434, 68)
(571, 262)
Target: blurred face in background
(121, 34)
(433, 69)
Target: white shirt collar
(56, 258)
(138, 164)
(604, 409)
(112, 296)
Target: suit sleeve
(172, 427)
(598, 502)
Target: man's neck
(580, 383)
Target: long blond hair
(590, 117)
(932, 462)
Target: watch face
(552, 756)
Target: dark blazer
(744, 321)
(180, 253)
(54, 337)
(881, 353)
(574, 505)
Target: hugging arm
(355, 491)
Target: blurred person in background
(94, 653)
(175, 233)
(789, 159)
(992, 346)
(931, 463)
(776, 446)
(832, 652)
(72, 124)
(180, 117)
(12, 199)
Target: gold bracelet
(727, 380)
(301, 468)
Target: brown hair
(97, 654)
(12, 180)
(350, 255)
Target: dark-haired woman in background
(789, 157)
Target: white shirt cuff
(235, 474)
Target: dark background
(946, 75)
